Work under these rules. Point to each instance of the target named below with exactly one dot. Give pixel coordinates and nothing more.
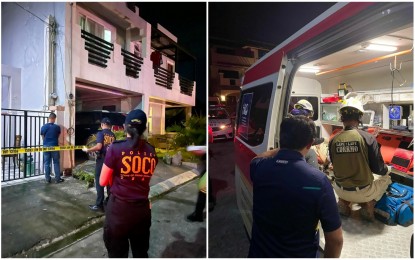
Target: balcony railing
(164, 77)
(98, 49)
(186, 86)
(132, 63)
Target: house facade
(227, 64)
(71, 57)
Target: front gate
(21, 129)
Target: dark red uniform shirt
(133, 168)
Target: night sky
(269, 23)
(266, 23)
(187, 21)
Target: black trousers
(127, 223)
(200, 204)
(99, 188)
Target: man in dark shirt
(50, 133)
(290, 197)
(104, 139)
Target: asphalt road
(227, 235)
(171, 236)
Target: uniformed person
(304, 108)
(104, 139)
(128, 168)
(355, 155)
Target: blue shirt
(289, 198)
(105, 137)
(51, 133)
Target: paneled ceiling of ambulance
(357, 57)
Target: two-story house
(72, 57)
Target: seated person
(355, 155)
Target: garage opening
(94, 103)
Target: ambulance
(365, 48)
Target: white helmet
(304, 104)
(352, 102)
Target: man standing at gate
(104, 139)
(50, 133)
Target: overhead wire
(32, 14)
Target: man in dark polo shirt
(50, 133)
(104, 139)
(290, 197)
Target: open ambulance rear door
(268, 84)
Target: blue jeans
(47, 157)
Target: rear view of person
(50, 133)
(128, 168)
(290, 197)
(104, 139)
(355, 155)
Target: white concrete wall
(14, 77)
(24, 46)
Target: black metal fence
(21, 129)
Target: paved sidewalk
(39, 218)
(171, 236)
(372, 239)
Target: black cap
(106, 121)
(136, 117)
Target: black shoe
(193, 217)
(48, 181)
(96, 208)
(59, 181)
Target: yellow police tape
(40, 149)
